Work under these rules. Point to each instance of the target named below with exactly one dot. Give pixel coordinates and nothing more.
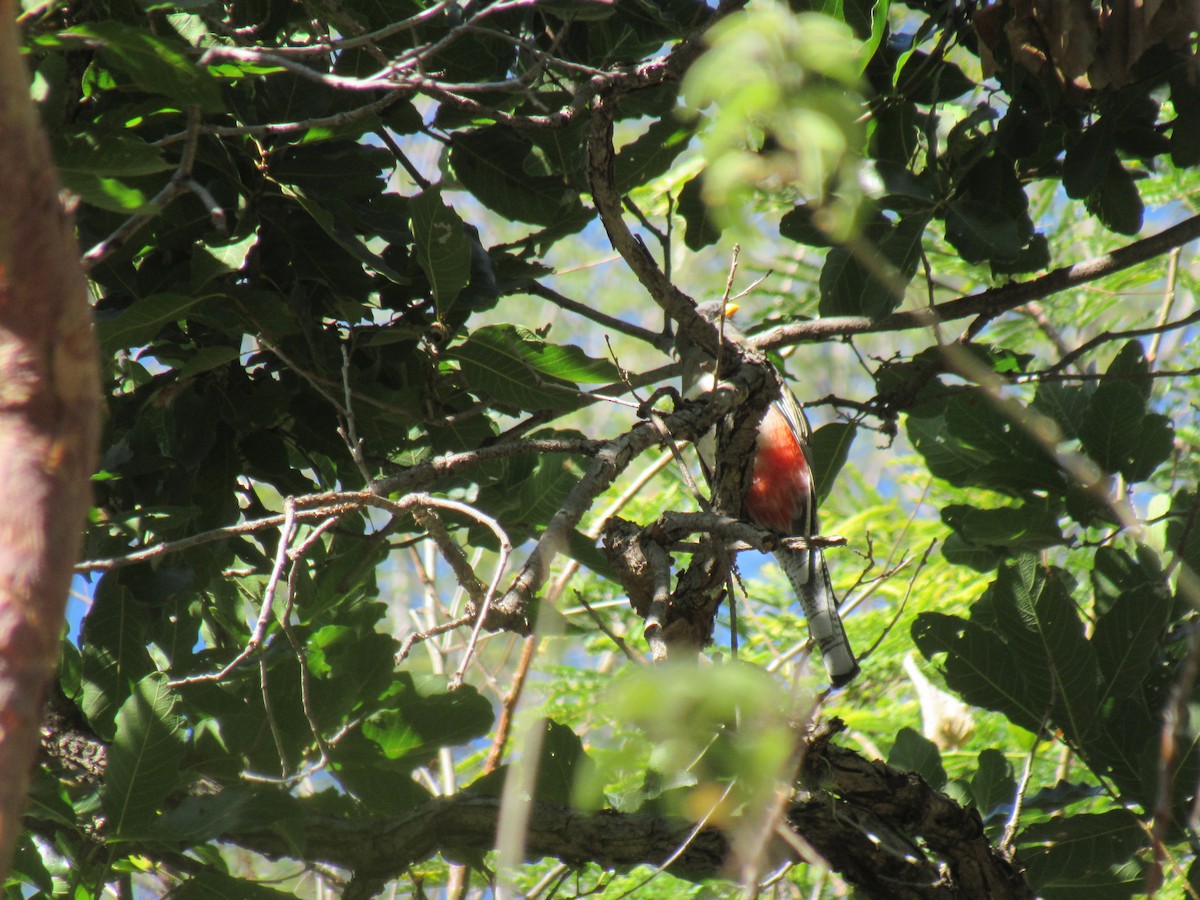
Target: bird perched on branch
(782, 496)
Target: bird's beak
(730, 309)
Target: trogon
(782, 495)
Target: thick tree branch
(867, 819)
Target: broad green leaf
(979, 668)
(1087, 159)
(516, 367)
(972, 445)
(830, 446)
(491, 163)
(700, 230)
(1084, 856)
(993, 787)
(28, 868)
(1065, 404)
(1041, 628)
(158, 65)
(112, 154)
(870, 277)
(561, 764)
(442, 247)
(207, 359)
(138, 323)
(114, 655)
(1128, 639)
(1116, 201)
(1154, 446)
(926, 81)
(981, 232)
(1031, 526)
(211, 261)
(234, 809)
(1111, 429)
(143, 759)
(213, 884)
(914, 753)
(423, 717)
(105, 192)
(1185, 130)
(323, 213)
(357, 669)
(380, 785)
(651, 153)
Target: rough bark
(49, 405)
(884, 830)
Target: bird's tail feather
(809, 576)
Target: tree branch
(867, 819)
(989, 303)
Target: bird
(782, 495)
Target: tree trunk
(49, 406)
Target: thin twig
(349, 433)
(1169, 297)
(264, 613)
(1007, 842)
(609, 633)
(179, 183)
(590, 312)
(417, 637)
(509, 705)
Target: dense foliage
(374, 388)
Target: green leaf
(1065, 404)
(422, 718)
(830, 446)
(914, 753)
(105, 192)
(109, 153)
(651, 153)
(514, 366)
(701, 229)
(28, 868)
(211, 261)
(326, 214)
(114, 655)
(981, 232)
(1116, 201)
(1155, 444)
(206, 359)
(1031, 526)
(971, 445)
(1041, 628)
(560, 765)
(158, 65)
(993, 787)
(1127, 639)
(143, 759)
(1111, 429)
(234, 809)
(140, 322)
(1185, 130)
(442, 248)
(1084, 856)
(870, 279)
(1087, 159)
(979, 668)
(490, 163)
(212, 884)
